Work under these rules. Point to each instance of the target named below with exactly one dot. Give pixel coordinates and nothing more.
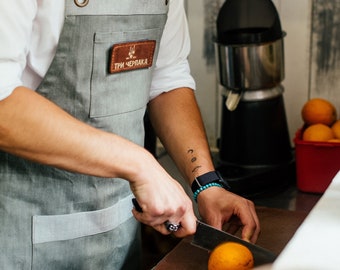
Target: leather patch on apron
(132, 56)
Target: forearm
(36, 129)
(177, 121)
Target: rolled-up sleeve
(15, 27)
(172, 68)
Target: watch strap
(207, 178)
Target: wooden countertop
(277, 228)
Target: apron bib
(101, 74)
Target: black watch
(207, 178)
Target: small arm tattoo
(193, 160)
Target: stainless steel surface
(262, 94)
(255, 95)
(250, 67)
(207, 237)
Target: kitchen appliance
(208, 237)
(255, 153)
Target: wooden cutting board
(277, 228)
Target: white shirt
(29, 34)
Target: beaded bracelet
(198, 191)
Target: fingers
(234, 225)
(184, 229)
(179, 221)
(227, 206)
(251, 229)
(188, 226)
(248, 218)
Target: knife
(208, 237)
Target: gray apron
(101, 74)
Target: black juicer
(255, 153)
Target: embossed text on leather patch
(132, 55)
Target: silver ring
(172, 227)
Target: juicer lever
(232, 100)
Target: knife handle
(136, 205)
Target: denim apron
(101, 74)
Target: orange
(336, 129)
(318, 132)
(231, 256)
(318, 111)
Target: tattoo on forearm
(193, 159)
(196, 168)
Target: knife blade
(208, 237)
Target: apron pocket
(85, 240)
(127, 90)
(70, 226)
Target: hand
(164, 201)
(218, 206)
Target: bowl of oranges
(317, 146)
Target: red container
(317, 163)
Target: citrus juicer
(255, 152)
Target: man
(75, 83)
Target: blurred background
(311, 48)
